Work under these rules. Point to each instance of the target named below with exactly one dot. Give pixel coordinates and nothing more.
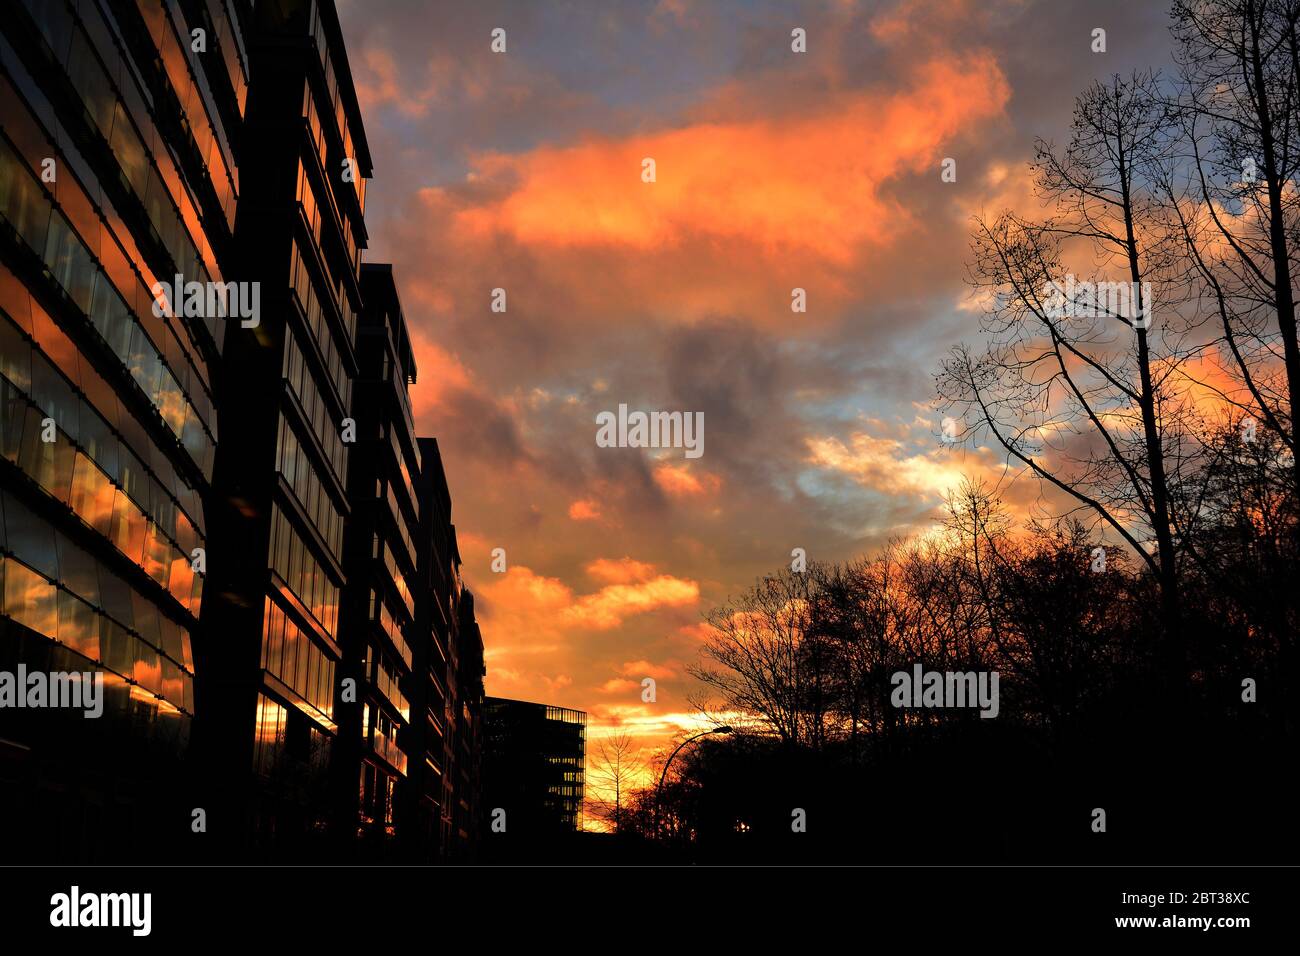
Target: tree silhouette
(613, 771)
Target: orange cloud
(643, 669)
(884, 465)
(678, 482)
(544, 608)
(519, 595)
(1210, 381)
(694, 634)
(584, 509)
(558, 682)
(810, 183)
(439, 372)
(641, 721)
(618, 686)
(536, 627)
(607, 608)
(621, 571)
(742, 210)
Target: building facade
(370, 763)
(534, 759)
(118, 138)
(441, 803)
(213, 503)
(280, 496)
(465, 735)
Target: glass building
(465, 737)
(280, 482)
(371, 761)
(222, 515)
(119, 126)
(534, 757)
(447, 681)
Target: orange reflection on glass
(157, 554)
(142, 697)
(29, 599)
(268, 734)
(147, 671)
(129, 526)
(181, 579)
(172, 405)
(92, 495)
(78, 625)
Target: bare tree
(1074, 383)
(757, 649)
(616, 771)
(1239, 109)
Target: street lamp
(658, 788)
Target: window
(129, 151)
(117, 647)
(78, 570)
(298, 567)
(291, 655)
(49, 463)
(69, 261)
(30, 599)
(51, 392)
(147, 671)
(268, 742)
(90, 80)
(22, 201)
(78, 626)
(71, 264)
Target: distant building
(533, 764)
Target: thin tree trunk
(1286, 321)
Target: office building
(118, 139)
(441, 803)
(534, 757)
(212, 498)
(467, 765)
(280, 485)
(378, 609)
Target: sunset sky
(775, 170)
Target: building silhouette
(465, 737)
(216, 500)
(534, 758)
(447, 691)
(280, 502)
(378, 601)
